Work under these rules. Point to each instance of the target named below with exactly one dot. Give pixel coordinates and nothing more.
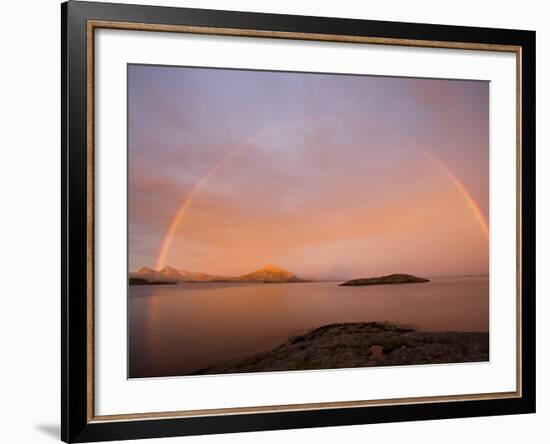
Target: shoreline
(361, 344)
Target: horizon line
(328, 279)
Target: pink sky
(329, 176)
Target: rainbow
(178, 218)
(470, 201)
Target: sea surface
(174, 330)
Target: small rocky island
(386, 280)
(361, 344)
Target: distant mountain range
(269, 274)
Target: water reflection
(174, 330)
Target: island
(141, 281)
(386, 280)
(361, 344)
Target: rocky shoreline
(362, 344)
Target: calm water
(176, 329)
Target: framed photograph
(275, 221)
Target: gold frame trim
(92, 25)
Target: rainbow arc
(179, 216)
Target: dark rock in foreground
(365, 344)
(385, 280)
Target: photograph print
(296, 221)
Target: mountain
(171, 274)
(269, 273)
(197, 276)
(193, 276)
(385, 280)
(168, 274)
(147, 274)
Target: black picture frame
(76, 326)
